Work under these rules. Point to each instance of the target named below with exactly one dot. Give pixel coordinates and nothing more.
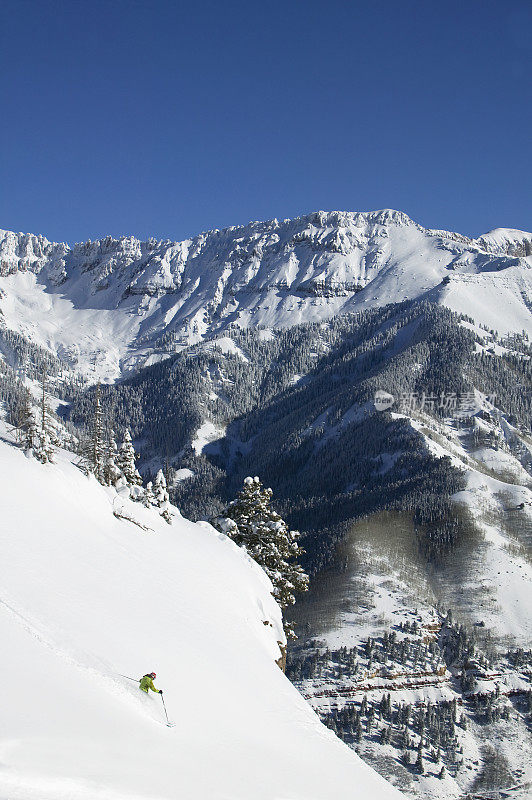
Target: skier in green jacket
(146, 683)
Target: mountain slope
(375, 624)
(297, 408)
(87, 596)
(112, 305)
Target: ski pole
(129, 679)
(165, 711)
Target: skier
(146, 682)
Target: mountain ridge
(383, 215)
(148, 299)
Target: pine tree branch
(126, 517)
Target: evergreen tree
(126, 461)
(419, 761)
(161, 496)
(27, 424)
(98, 447)
(18, 411)
(267, 539)
(405, 739)
(43, 449)
(112, 473)
(35, 428)
(149, 497)
(93, 451)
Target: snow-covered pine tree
(27, 425)
(126, 461)
(93, 450)
(34, 426)
(43, 408)
(161, 496)
(251, 522)
(43, 447)
(419, 761)
(149, 497)
(112, 474)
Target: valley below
(378, 658)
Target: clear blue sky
(169, 118)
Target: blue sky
(167, 118)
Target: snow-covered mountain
(88, 597)
(256, 365)
(110, 306)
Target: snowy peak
(27, 252)
(507, 241)
(164, 295)
(329, 231)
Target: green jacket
(147, 683)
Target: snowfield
(87, 597)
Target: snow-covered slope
(498, 501)
(111, 305)
(86, 597)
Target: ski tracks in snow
(103, 675)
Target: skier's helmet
(153, 675)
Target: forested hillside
(297, 407)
